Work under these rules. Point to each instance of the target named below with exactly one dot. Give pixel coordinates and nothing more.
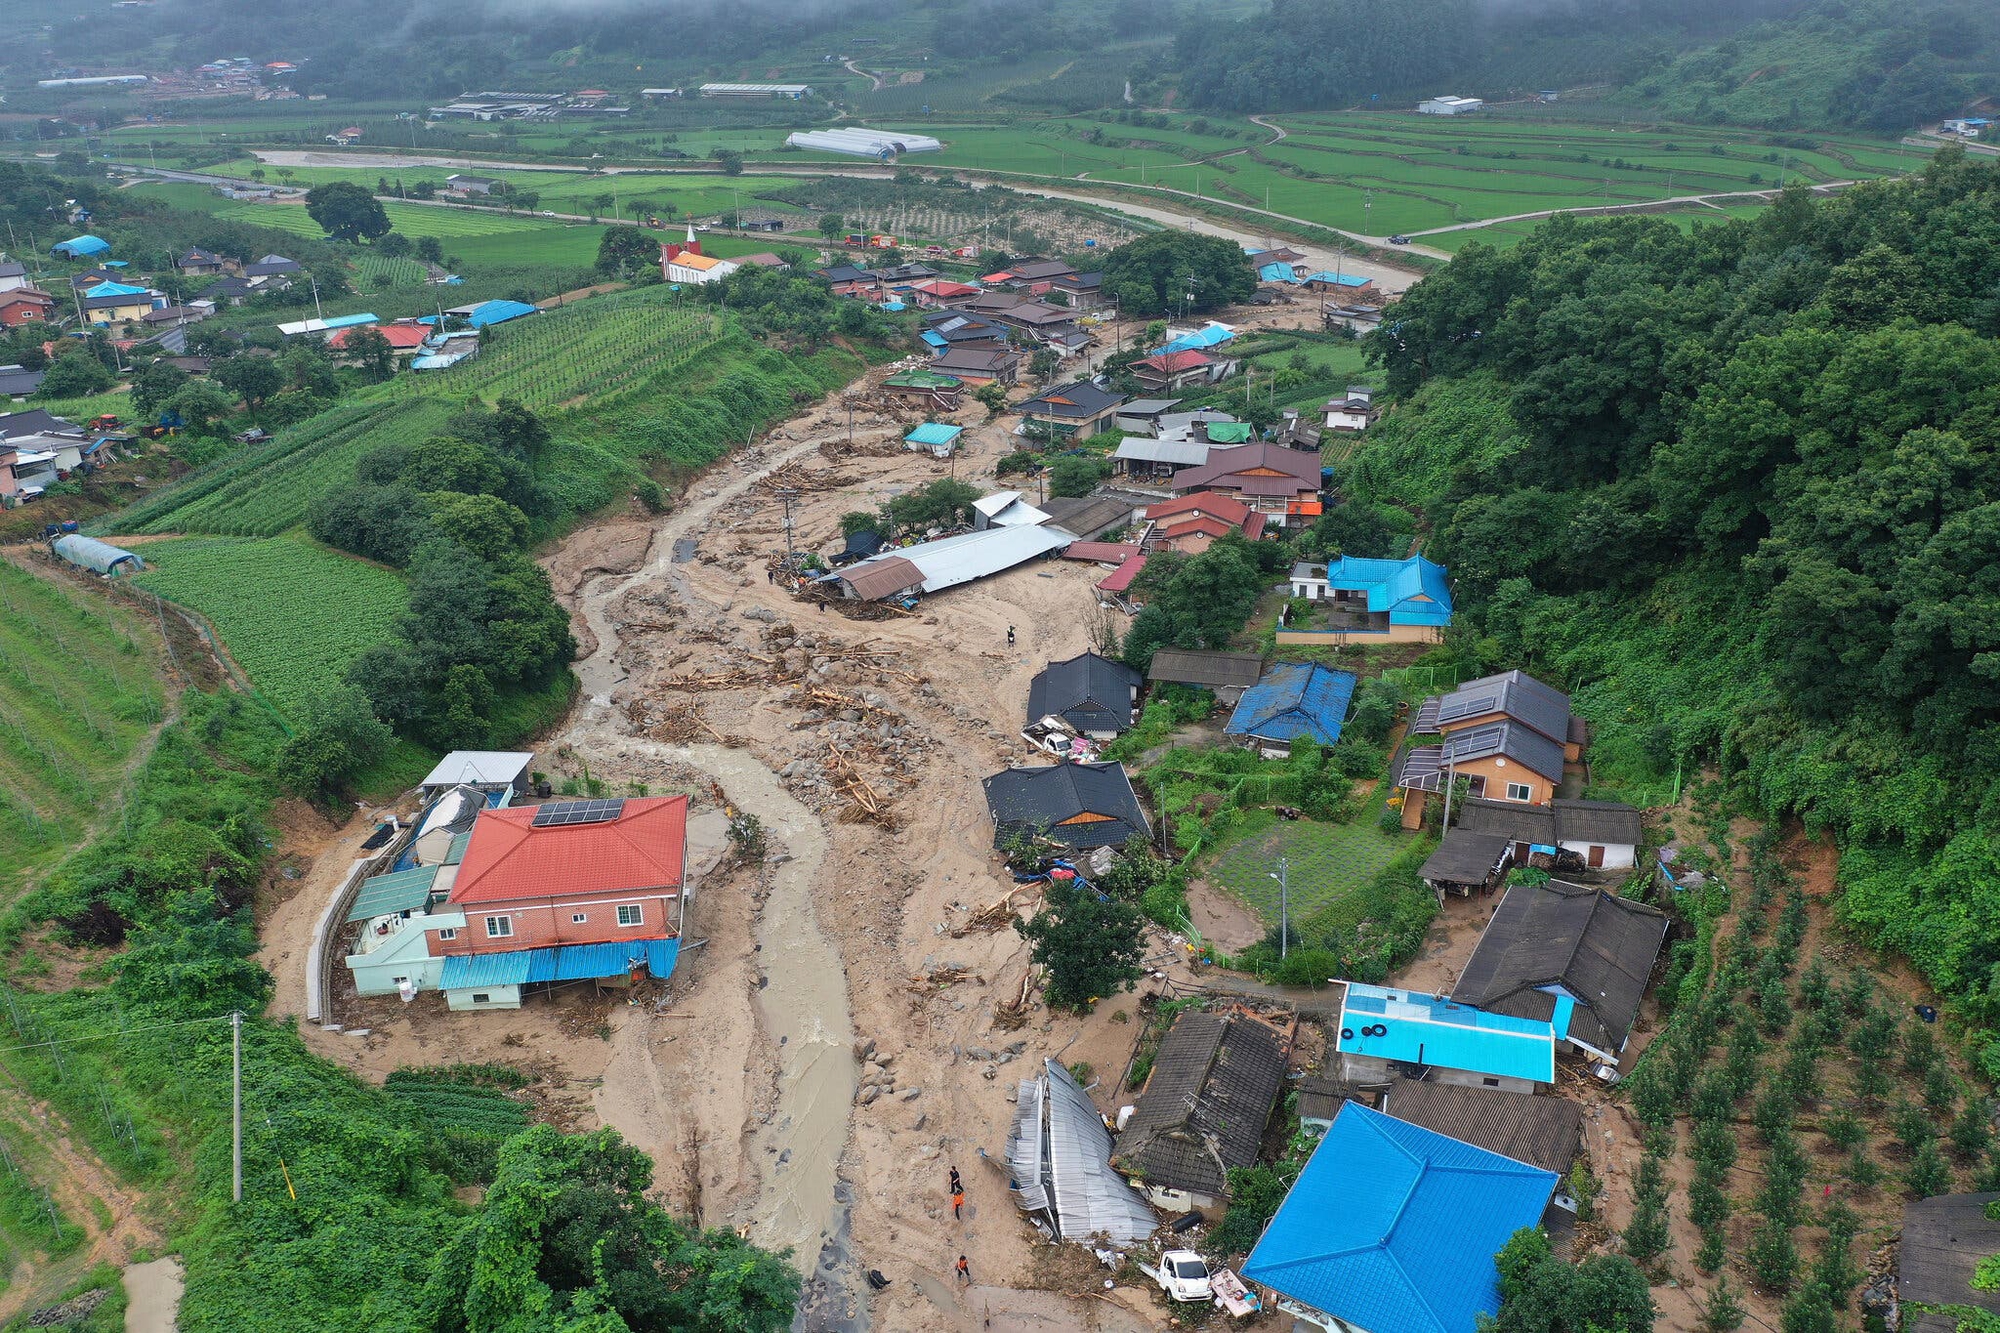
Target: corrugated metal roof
(479, 766)
(1420, 1029)
(950, 561)
(497, 312)
(1393, 1228)
(564, 962)
(401, 891)
(934, 433)
(1294, 699)
(1399, 587)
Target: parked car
(1183, 1275)
(1399, 240)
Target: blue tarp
(81, 247)
(1212, 335)
(935, 339)
(1338, 279)
(498, 312)
(565, 962)
(1277, 272)
(1393, 1228)
(114, 289)
(1294, 699)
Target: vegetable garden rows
(293, 612)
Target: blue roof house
(934, 436)
(1385, 1034)
(1292, 700)
(81, 247)
(1389, 601)
(1392, 1228)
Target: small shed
(96, 556)
(81, 247)
(934, 436)
(926, 389)
(1465, 861)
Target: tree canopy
(1177, 272)
(346, 211)
(1740, 483)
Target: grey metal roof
(1179, 453)
(478, 767)
(1541, 1131)
(1514, 694)
(1038, 801)
(399, 891)
(1944, 1238)
(1090, 692)
(950, 561)
(1463, 857)
(1148, 407)
(1214, 1083)
(1598, 947)
(1209, 668)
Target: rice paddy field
(1382, 173)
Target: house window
(499, 927)
(480, 997)
(1490, 1082)
(631, 914)
(577, 918)
(1520, 791)
(448, 933)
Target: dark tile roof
(1091, 693)
(1041, 270)
(1598, 947)
(1214, 1083)
(1206, 667)
(32, 422)
(1541, 1131)
(1038, 801)
(16, 382)
(1564, 821)
(1083, 400)
(1321, 1095)
(1087, 515)
(1514, 694)
(846, 273)
(1464, 857)
(270, 266)
(1944, 1238)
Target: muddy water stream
(802, 999)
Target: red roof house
(402, 337)
(1119, 580)
(571, 872)
(24, 305)
(1278, 482)
(1177, 370)
(1192, 522)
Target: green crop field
(292, 613)
(1330, 863)
(444, 222)
(77, 693)
(264, 489)
(593, 348)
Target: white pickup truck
(1053, 735)
(1183, 1275)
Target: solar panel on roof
(561, 814)
(1469, 705)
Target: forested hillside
(1874, 65)
(1739, 489)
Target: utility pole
(236, 1105)
(786, 495)
(1284, 878)
(1450, 781)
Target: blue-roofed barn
(1385, 1034)
(1396, 601)
(1392, 1228)
(1293, 701)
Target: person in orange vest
(964, 1271)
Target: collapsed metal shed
(1060, 1158)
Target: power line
(126, 1032)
